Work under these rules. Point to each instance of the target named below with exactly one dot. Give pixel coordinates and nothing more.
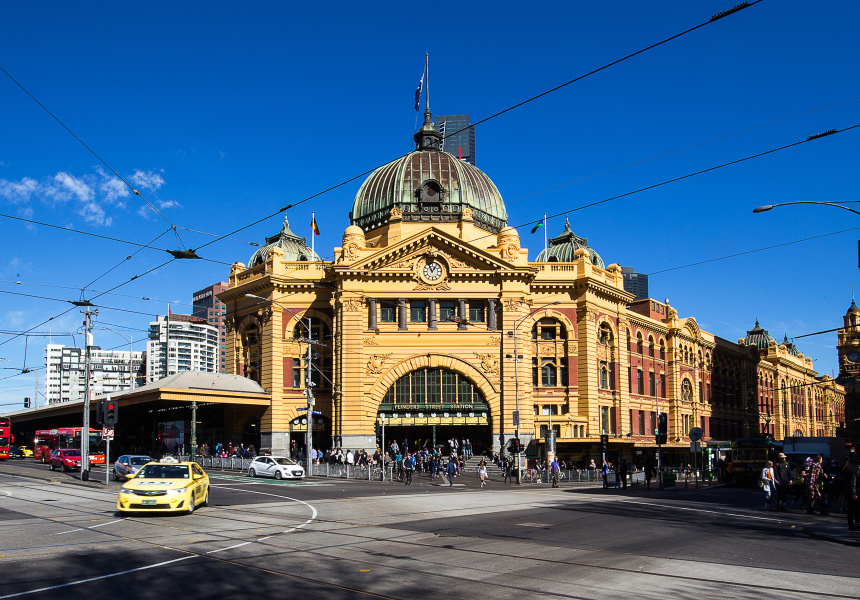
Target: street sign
(695, 447)
(107, 433)
(696, 434)
(516, 418)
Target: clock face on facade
(432, 271)
(854, 356)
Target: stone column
(432, 323)
(491, 314)
(401, 315)
(462, 325)
(371, 314)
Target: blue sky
(220, 113)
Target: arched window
(321, 365)
(662, 349)
(252, 352)
(433, 387)
(549, 330)
(687, 391)
(604, 334)
(650, 346)
(639, 343)
(604, 376)
(549, 366)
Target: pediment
(405, 256)
(693, 327)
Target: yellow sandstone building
(432, 317)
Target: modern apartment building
(189, 344)
(208, 306)
(110, 371)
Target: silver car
(275, 466)
(128, 464)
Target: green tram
(749, 456)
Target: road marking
(228, 548)
(291, 529)
(55, 587)
(70, 531)
(702, 510)
(102, 524)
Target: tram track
(275, 542)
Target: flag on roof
(418, 92)
(314, 225)
(536, 227)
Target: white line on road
(291, 529)
(55, 587)
(702, 510)
(70, 531)
(228, 548)
(103, 524)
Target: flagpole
(545, 240)
(427, 86)
(313, 247)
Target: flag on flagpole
(418, 92)
(314, 225)
(536, 227)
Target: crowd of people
(822, 486)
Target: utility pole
(310, 418)
(85, 429)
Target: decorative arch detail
(387, 379)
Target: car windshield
(284, 461)
(152, 471)
(71, 452)
(139, 460)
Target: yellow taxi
(165, 487)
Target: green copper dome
(563, 247)
(295, 248)
(758, 337)
(428, 185)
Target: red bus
(48, 440)
(6, 437)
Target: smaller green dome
(295, 248)
(758, 337)
(563, 247)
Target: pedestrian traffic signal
(110, 414)
(100, 412)
(377, 430)
(26, 403)
(604, 444)
(662, 428)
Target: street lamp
(24, 370)
(767, 207)
(308, 383)
(516, 358)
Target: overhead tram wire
(716, 17)
(69, 287)
(680, 178)
(127, 258)
(737, 254)
(713, 19)
(94, 297)
(91, 151)
(30, 333)
(670, 153)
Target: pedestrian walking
(452, 470)
(767, 484)
(409, 467)
(813, 484)
(854, 499)
(554, 469)
(604, 471)
(622, 473)
(649, 470)
(782, 479)
(482, 472)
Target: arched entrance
(429, 406)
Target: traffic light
(604, 443)
(26, 403)
(515, 446)
(110, 414)
(100, 412)
(378, 430)
(662, 428)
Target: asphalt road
(356, 539)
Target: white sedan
(275, 466)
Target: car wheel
(279, 475)
(43, 459)
(206, 498)
(252, 473)
(191, 506)
(53, 468)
